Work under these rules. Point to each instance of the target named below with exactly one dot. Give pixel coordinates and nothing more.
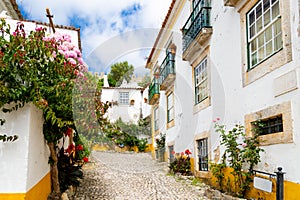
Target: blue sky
(111, 30)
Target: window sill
(171, 124)
(202, 105)
(203, 174)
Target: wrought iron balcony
(167, 72)
(197, 28)
(153, 94)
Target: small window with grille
(202, 154)
(269, 125)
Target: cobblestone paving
(132, 176)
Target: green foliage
(145, 82)
(181, 164)
(120, 71)
(142, 145)
(239, 155)
(161, 141)
(217, 169)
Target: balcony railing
(199, 18)
(153, 94)
(167, 72)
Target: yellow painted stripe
(41, 190)
(16, 196)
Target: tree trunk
(54, 170)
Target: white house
(127, 101)
(237, 60)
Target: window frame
(124, 100)
(279, 59)
(156, 119)
(263, 32)
(170, 107)
(202, 81)
(202, 147)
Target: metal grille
(203, 154)
(271, 125)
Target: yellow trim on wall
(8, 196)
(291, 189)
(40, 191)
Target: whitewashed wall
(24, 162)
(128, 113)
(230, 101)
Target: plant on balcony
(181, 163)
(242, 153)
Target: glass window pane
(266, 4)
(251, 18)
(260, 40)
(277, 43)
(267, 18)
(269, 48)
(258, 10)
(275, 10)
(259, 24)
(254, 59)
(277, 27)
(261, 54)
(268, 34)
(253, 46)
(252, 31)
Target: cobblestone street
(136, 176)
(133, 176)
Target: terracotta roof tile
(16, 8)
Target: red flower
(69, 132)
(188, 152)
(70, 148)
(79, 147)
(173, 152)
(85, 159)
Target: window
(264, 34)
(170, 106)
(271, 125)
(201, 82)
(124, 98)
(156, 119)
(171, 153)
(202, 154)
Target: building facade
(236, 60)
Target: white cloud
(104, 22)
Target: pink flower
(244, 145)
(72, 61)
(173, 152)
(181, 153)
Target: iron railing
(153, 88)
(167, 66)
(199, 18)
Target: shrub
(181, 164)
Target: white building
(127, 102)
(237, 60)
